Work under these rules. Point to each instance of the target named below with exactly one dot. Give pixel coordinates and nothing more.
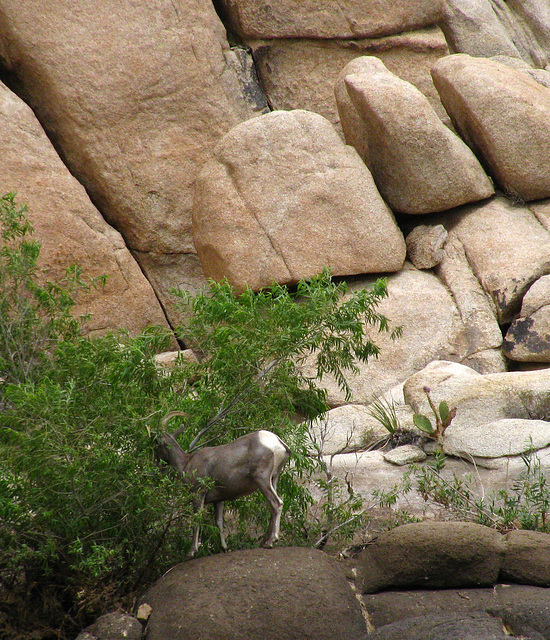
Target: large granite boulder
(332, 19)
(497, 415)
(448, 555)
(504, 115)
(301, 73)
(527, 558)
(134, 97)
(284, 198)
(432, 555)
(506, 247)
(450, 625)
(485, 28)
(476, 308)
(481, 397)
(432, 328)
(70, 229)
(472, 27)
(256, 594)
(418, 164)
(350, 427)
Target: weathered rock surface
(69, 227)
(451, 555)
(418, 164)
(527, 558)
(431, 555)
(255, 595)
(405, 454)
(497, 438)
(432, 329)
(500, 414)
(541, 210)
(472, 27)
(528, 338)
(301, 73)
(135, 97)
(506, 248)
(476, 308)
(350, 427)
(355, 133)
(369, 470)
(283, 198)
(332, 19)
(542, 76)
(447, 626)
(513, 394)
(425, 245)
(486, 28)
(518, 610)
(113, 626)
(502, 114)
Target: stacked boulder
(134, 99)
(300, 49)
(282, 198)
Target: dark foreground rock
(500, 612)
(450, 626)
(257, 594)
(113, 626)
(446, 555)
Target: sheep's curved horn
(166, 419)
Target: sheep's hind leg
(276, 506)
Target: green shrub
(524, 504)
(87, 517)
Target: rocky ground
(424, 580)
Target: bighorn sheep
(252, 462)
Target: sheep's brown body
(250, 463)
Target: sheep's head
(168, 450)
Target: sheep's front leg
(218, 511)
(198, 504)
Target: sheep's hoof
(267, 544)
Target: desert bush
(86, 514)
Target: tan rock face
(69, 226)
(135, 95)
(330, 19)
(350, 427)
(355, 132)
(485, 28)
(418, 164)
(301, 73)
(504, 115)
(506, 247)
(431, 326)
(481, 399)
(472, 27)
(476, 308)
(285, 198)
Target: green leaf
(423, 423)
(443, 411)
